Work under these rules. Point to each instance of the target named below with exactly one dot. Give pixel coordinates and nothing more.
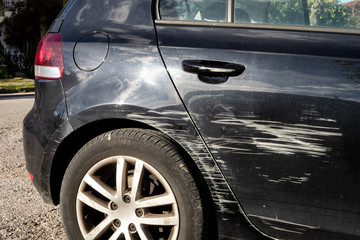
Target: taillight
(49, 62)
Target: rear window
(309, 13)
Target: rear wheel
(130, 184)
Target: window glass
(193, 10)
(317, 13)
(314, 13)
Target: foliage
(331, 13)
(325, 13)
(2, 52)
(335, 15)
(17, 89)
(290, 12)
(4, 74)
(22, 28)
(5, 60)
(11, 62)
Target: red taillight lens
(49, 62)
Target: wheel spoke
(156, 201)
(116, 234)
(100, 186)
(99, 229)
(137, 179)
(93, 202)
(120, 176)
(160, 220)
(127, 235)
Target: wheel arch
(75, 141)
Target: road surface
(23, 214)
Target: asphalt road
(23, 214)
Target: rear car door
(274, 89)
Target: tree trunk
(306, 12)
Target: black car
(199, 119)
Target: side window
(193, 10)
(311, 13)
(316, 13)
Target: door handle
(214, 72)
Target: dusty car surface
(199, 119)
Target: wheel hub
(133, 197)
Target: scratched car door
(278, 105)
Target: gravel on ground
(23, 214)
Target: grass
(16, 85)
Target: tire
(165, 203)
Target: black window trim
(230, 23)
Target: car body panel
(285, 132)
(131, 85)
(44, 127)
(134, 86)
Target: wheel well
(72, 144)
